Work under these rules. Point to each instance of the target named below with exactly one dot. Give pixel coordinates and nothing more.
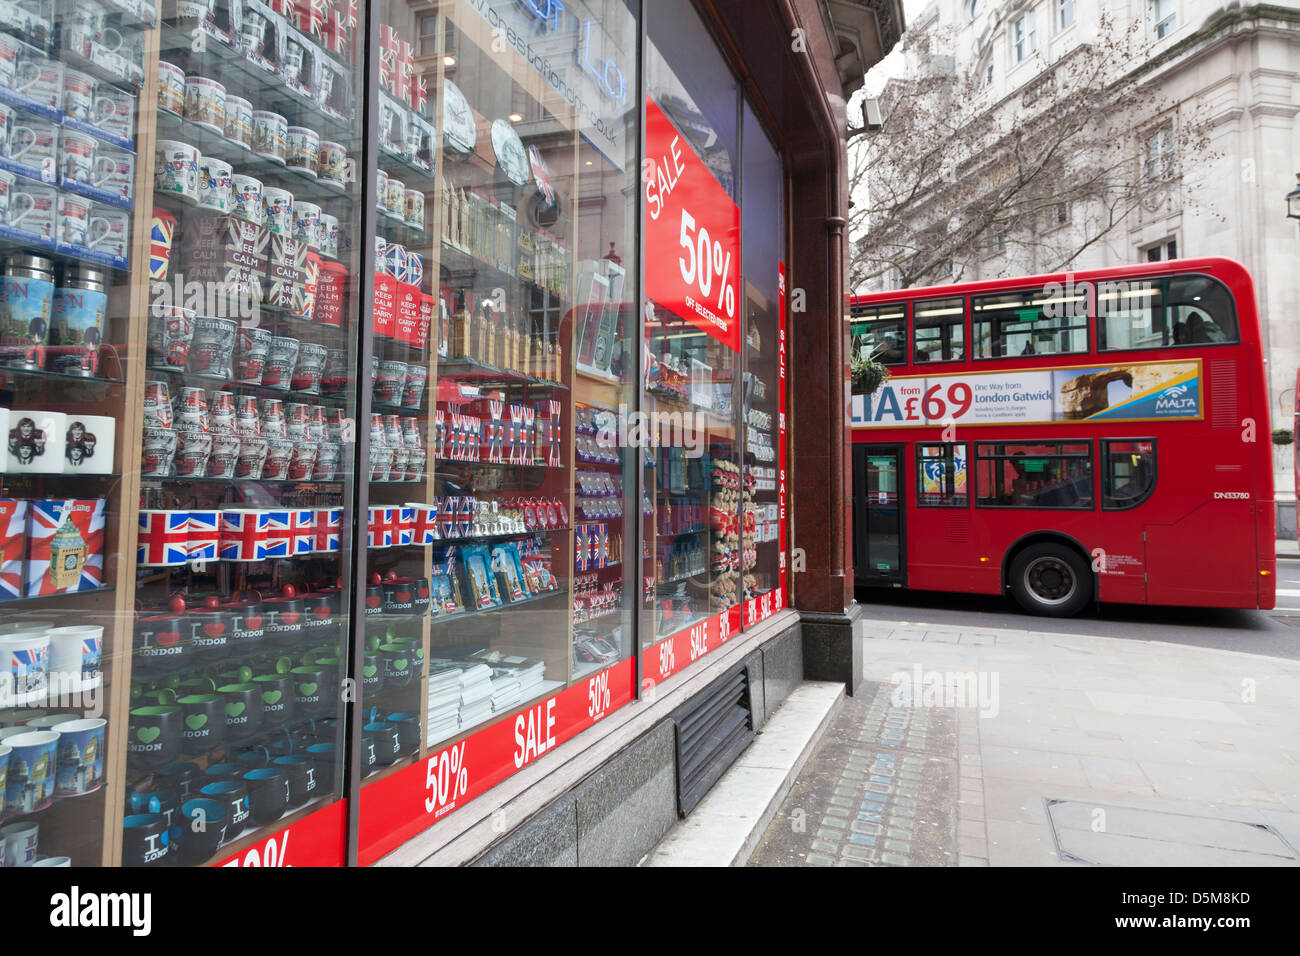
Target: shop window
(761, 538)
(938, 330)
(880, 331)
(941, 476)
(693, 569)
(1034, 475)
(1129, 475)
(1040, 322)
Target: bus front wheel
(1050, 580)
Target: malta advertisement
(1132, 392)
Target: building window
(938, 330)
(941, 476)
(1062, 213)
(1160, 251)
(1034, 475)
(1159, 158)
(1030, 323)
(880, 330)
(1128, 474)
(1000, 242)
(1164, 17)
(426, 25)
(1024, 36)
(986, 74)
(1064, 13)
(973, 8)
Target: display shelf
(57, 596)
(210, 48)
(465, 368)
(304, 184)
(28, 476)
(400, 167)
(482, 612)
(484, 539)
(149, 481)
(224, 384)
(462, 264)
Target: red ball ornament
(177, 604)
(289, 591)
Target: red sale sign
(397, 807)
(664, 659)
(692, 234)
(318, 839)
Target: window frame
(1099, 319)
(948, 446)
(1087, 326)
(1158, 29)
(1020, 36)
(1058, 442)
(1104, 455)
(964, 324)
(1163, 135)
(1061, 7)
(905, 345)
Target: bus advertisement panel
(1129, 392)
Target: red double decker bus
(1067, 438)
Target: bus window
(1154, 313)
(941, 476)
(1132, 315)
(1128, 473)
(881, 329)
(1036, 322)
(938, 330)
(1202, 307)
(1034, 475)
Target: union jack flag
(70, 532)
(381, 527)
(163, 538)
(404, 530)
(349, 8)
(13, 545)
(203, 540)
(334, 31)
(419, 93)
(446, 508)
(297, 528)
(244, 535)
(395, 62)
(329, 524)
(527, 452)
(286, 9)
(310, 16)
(426, 523)
(516, 433)
(495, 430)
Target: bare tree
(1047, 172)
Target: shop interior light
(516, 118)
(449, 60)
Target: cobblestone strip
(881, 789)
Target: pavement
(1013, 746)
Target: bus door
(879, 551)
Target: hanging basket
(868, 375)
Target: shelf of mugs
(440, 619)
(224, 384)
(119, 135)
(210, 46)
(162, 481)
(303, 183)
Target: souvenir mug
(75, 219)
(81, 98)
(247, 198)
(293, 61)
(330, 161)
(170, 330)
(306, 222)
(178, 170)
(7, 180)
(252, 33)
(277, 206)
(304, 149)
(327, 240)
(239, 120)
(215, 183)
(115, 234)
(33, 209)
(205, 103)
(381, 191)
(171, 88)
(270, 136)
(396, 198)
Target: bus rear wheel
(1050, 580)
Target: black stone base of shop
(612, 801)
(831, 649)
